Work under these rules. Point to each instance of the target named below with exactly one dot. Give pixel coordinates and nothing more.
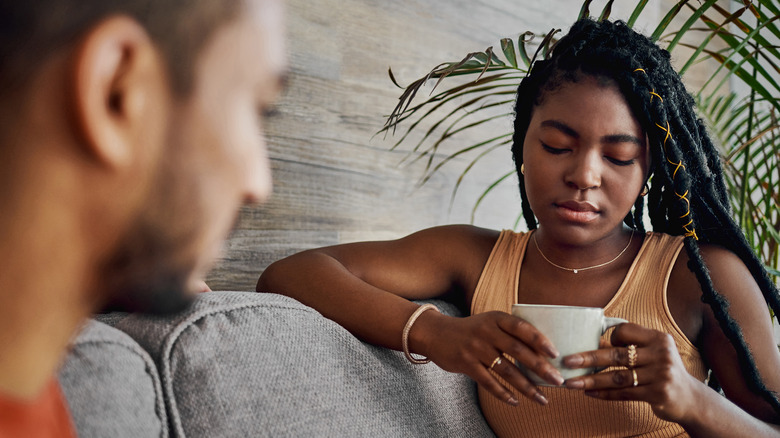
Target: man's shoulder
(45, 416)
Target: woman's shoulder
(710, 252)
(458, 237)
(720, 261)
(728, 273)
(461, 250)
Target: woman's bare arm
(366, 286)
(747, 306)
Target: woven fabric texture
(242, 364)
(112, 386)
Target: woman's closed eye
(554, 151)
(620, 162)
(613, 160)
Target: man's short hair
(33, 30)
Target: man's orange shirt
(46, 417)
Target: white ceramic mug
(571, 329)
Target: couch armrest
(112, 386)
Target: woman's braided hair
(688, 193)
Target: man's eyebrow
(611, 139)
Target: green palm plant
(481, 88)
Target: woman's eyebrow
(610, 139)
(622, 138)
(560, 126)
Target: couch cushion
(252, 364)
(112, 386)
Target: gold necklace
(586, 268)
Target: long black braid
(688, 194)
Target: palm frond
(469, 95)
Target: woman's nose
(585, 171)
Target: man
(129, 136)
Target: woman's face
(586, 160)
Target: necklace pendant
(574, 270)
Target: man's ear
(117, 76)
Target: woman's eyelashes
(620, 162)
(552, 150)
(613, 160)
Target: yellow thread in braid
(684, 197)
(678, 164)
(689, 232)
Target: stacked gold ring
(632, 363)
(632, 356)
(496, 361)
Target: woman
(602, 123)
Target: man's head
(32, 31)
(131, 130)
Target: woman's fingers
(602, 358)
(528, 334)
(512, 375)
(655, 375)
(623, 337)
(617, 379)
(484, 379)
(530, 360)
(475, 344)
(529, 347)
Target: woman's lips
(574, 211)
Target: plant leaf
(585, 9)
(487, 191)
(698, 11)
(522, 40)
(659, 30)
(606, 11)
(472, 163)
(635, 14)
(508, 47)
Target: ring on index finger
(496, 361)
(632, 356)
(636, 380)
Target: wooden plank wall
(333, 182)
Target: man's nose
(258, 182)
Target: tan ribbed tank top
(641, 299)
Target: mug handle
(610, 322)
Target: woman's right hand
(470, 346)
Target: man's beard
(156, 295)
(146, 273)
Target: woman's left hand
(657, 376)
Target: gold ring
(496, 361)
(636, 381)
(632, 356)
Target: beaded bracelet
(408, 328)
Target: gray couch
(247, 364)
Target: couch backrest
(253, 364)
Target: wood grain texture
(335, 183)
